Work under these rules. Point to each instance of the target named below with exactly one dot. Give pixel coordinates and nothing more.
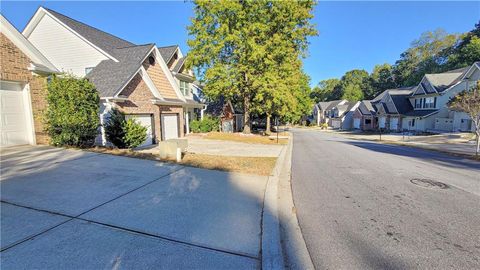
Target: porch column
(201, 113)
(187, 124)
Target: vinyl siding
(65, 50)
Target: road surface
(365, 205)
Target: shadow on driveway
(431, 156)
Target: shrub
(135, 133)
(195, 126)
(206, 125)
(114, 128)
(124, 133)
(72, 116)
(324, 126)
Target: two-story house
(429, 101)
(390, 106)
(133, 78)
(189, 87)
(341, 115)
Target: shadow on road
(431, 156)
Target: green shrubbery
(206, 125)
(124, 133)
(72, 117)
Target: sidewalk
(457, 144)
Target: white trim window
(429, 103)
(185, 88)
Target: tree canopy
(433, 52)
(251, 51)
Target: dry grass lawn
(249, 165)
(240, 137)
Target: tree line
(250, 51)
(434, 52)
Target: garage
(16, 125)
(356, 123)
(169, 126)
(146, 121)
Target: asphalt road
(358, 208)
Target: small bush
(72, 116)
(114, 128)
(135, 133)
(208, 124)
(124, 133)
(324, 126)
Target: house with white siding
(144, 81)
(430, 97)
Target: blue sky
(352, 35)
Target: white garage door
(394, 123)
(336, 123)
(169, 126)
(356, 123)
(146, 121)
(16, 126)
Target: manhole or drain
(427, 183)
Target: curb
(283, 245)
(272, 255)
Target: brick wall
(160, 80)
(14, 64)
(139, 102)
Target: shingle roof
(333, 104)
(440, 82)
(420, 113)
(105, 41)
(179, 64)
(167, 52)
(110, 76)
(402, 103)
(323, 105)
(366, 107)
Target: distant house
(341, 116)
(430, 97)
(364, 116)
(231, 116)
(319, 112)
(390, 106)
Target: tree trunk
(478, 145)
(267, 128)
(246, 115)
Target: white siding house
(65, 49)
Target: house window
(429, 103)
(368, 121)
(185, 88)
(418, 103)
(88, 69)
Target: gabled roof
(105, 41)
(366, 108)
(40, 62)
(167, 52)
(394, 91)
(402, 104)
(439, 82)
(110, 77)
(470, 70)
(179, 64)
(334, 103)
(323, 105)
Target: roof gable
(40, 62)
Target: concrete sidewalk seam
(177, 241)
(77, 216)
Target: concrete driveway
(79, 210)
